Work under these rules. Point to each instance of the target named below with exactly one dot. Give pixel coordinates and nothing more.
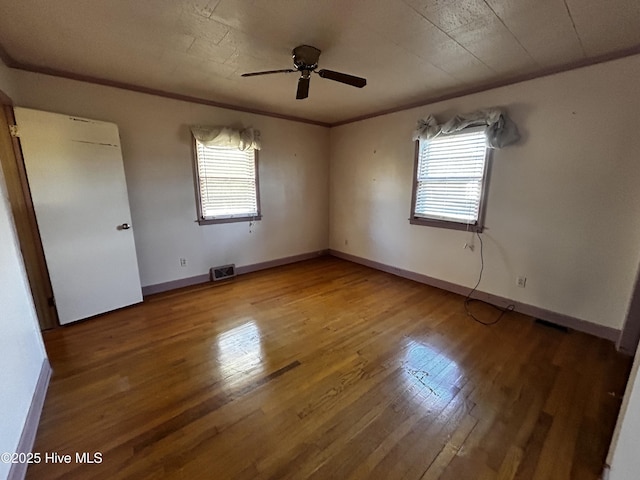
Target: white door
(76, 176)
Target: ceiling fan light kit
(305, 61)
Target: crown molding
(585, 62)
(10, 62)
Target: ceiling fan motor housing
(305, 61)
(305, 57)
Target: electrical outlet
(521, 282)
(183, 262)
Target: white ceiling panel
(605, 26)
(525, 20)
(409, 50)
(488, 40)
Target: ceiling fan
(305, 61)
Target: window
(227, 181)
(450, 180)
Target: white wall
(21, 348)
(563, 206)
(157, 151)
(561, 209)
(623, 458)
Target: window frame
(214, 221)
(478, 226)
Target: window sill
(214, 221)
(430, 222)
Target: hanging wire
(468, 300)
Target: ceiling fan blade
(343, 78)
(303, 88)
(268, 72)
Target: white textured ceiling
(409, 50)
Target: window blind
(450, 177)
(227, 182)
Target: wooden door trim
(25, 220)
(630, 335)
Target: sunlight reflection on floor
(239, 350)
(430, 371)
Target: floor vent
(223, 272)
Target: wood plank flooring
(326, 370)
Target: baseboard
(28, 437)
(204, 278)
(601, 331)
(280, 261)
(175, 284)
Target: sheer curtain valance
(227, 137)
(501, 131)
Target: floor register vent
(223, 272)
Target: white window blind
(450, 177)
(227, 178)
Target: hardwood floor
(326, 370)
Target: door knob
(124, 226)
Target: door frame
(24, 218)
(630, 334)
